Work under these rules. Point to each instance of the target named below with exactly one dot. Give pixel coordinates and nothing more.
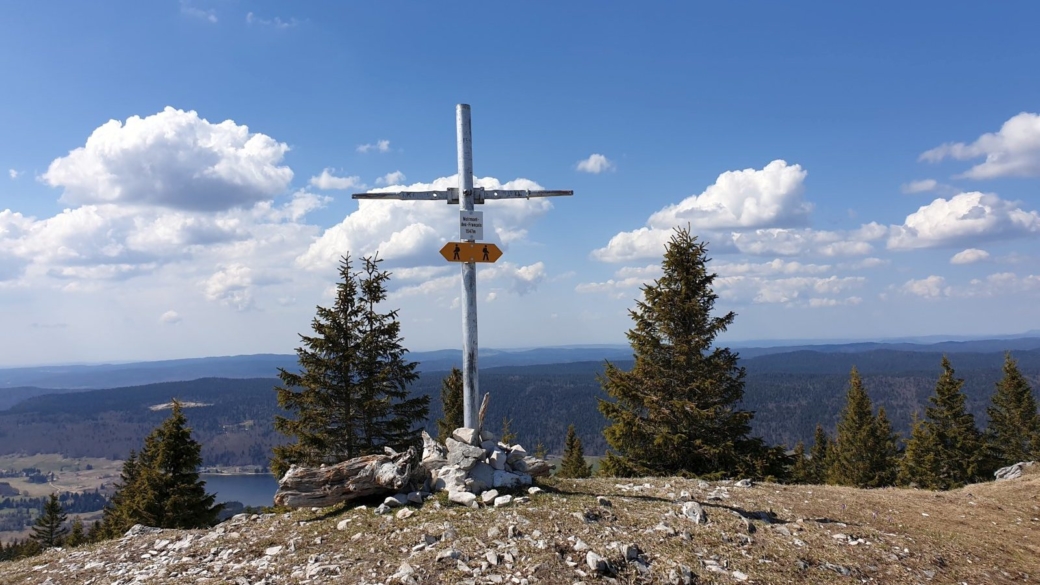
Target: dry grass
(985, 533)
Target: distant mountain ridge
(84, 377)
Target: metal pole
(470, 384)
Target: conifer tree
(539, 450)
(888, 450)
(945, 450)
(677, 410)
(77, 535)
(508, 436)
(819, 457)
(1013, 434)
(451, 398)
(49, 529)
(120, 514)
(160, 486)
(573, 464)
(863, 452)
(352, 396)
(801, 467)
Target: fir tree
(160, 486)
(508, 436)
(120, 514)
(573, 464)
(77, 535)
(676, 411)
(887, 457)
(801, 467)
(863, 452)
(539, 450)
(1014, 423)
(352, 397)
(945, 450)
(451, 398)
(49, 529)
(819, 457)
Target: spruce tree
(945, 450)
(49, 529)
(77, 535)
(819, 457)
(160, 486)
(573, 464)
(352, 396)
(169, 478)
(677, 410)
(451, 399)
(508, 436)
(120, 513)
(887, 457)
(801, 466)
(1013, 434)
(863, 452)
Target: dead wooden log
(304, 487)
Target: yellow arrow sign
(470, 252)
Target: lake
(251, 489)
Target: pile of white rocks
(472, 465)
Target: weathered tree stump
(304, 487)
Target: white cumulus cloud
(1013, 151)
(327, 181)
(931, 287)
(969, 256)
(964, 218)
(13, 174)
(921, 186)
(394, 178)
(750, 199)
(187, 9)
(378, 146)
(172, 159)
(596, 164)
(170, 317)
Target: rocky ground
(657, 530)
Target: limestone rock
(489, 496)
(463, 499)
(503, 501)
(1012, 471)
(694, 512)
(450, 478)
(463, 455)
(516, 453)
(482, 477)
(434, 454)
(497, 459)
(505, 479)
(466, 436)
(533, 466)
(596, 562)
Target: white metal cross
(467, 195)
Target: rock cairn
(474, 466)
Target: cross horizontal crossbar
(452, 195)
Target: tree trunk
(304, 487)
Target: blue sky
(177, 175)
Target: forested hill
(789, 392)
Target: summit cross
(468, 196)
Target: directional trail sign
(470, 252)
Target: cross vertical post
(466, 196)
(470, 381)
